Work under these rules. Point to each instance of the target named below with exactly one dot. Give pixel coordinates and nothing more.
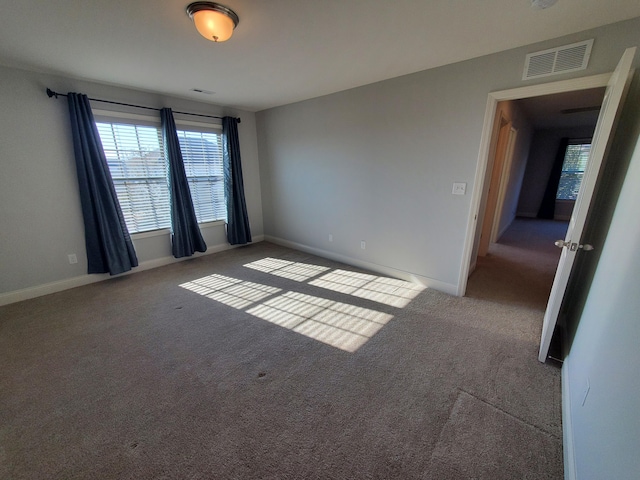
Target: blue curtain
(185, 233)
(238, 230)
(109, 246)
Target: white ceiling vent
(565, 59)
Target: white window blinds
(136, 160)
(135, 155)
(575, 161)
(202, 156)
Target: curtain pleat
(107, 239)
(186, 237)
(238, 229)
(548, 206)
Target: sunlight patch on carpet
(300, 272)
(385, 290)
(340, 325)
(230, 291)
(389, 291)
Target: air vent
(569, 58)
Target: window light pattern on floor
(389, 291)
(230, 291)
(334, 323)
(340, 325)
(300, 272)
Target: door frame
(505, 176)
(562, 86)
(494, 178)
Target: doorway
(616, 87)
(484, 169)
(520, 244)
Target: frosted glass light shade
(213, 26)
(541, 4)
(213, 21)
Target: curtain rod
(51, 93)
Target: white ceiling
(282, 50)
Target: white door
(616, 89)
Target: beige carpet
(267, 363)
(519, 270)
(460, 454)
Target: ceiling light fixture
(213, 21)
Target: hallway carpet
(519, 269)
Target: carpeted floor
(519, 270)
(267, 363)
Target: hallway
(519, 270)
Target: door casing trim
(562, 86)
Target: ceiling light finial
(213, 21)
(541, 4)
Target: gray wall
(605, 358)
(599, 318)
(377, 163)
(40, 216)
(544, 148)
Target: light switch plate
(459, 188)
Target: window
(135, 155)
(202, 157)
(575, 162)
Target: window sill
(167, 231)
(215, 223)
(150, 233)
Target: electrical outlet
(331, 237)
(363, 245)
(72, 258)
(459, 188)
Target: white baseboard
(570, 472)
(374, 267)
(504, 229)
(66, 284)
(473, 266)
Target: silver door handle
(573, 246)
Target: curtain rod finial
(51, 93)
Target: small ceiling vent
(569, 58)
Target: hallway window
(575, 162)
